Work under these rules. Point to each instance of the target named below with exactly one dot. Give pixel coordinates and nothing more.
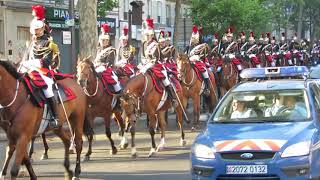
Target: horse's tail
(87, 128)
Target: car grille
(248, 177)
(256, 155)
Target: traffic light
(136, 12)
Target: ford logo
(246, 156)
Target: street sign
(66, 37)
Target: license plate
(246, 169)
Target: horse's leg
(66, 142)
(107, 119)
(117, 118)
(124, 141)
(31, 147)
(77, 127)
(21, 152)
(196, 111)
(27, 162)
(46, 147)
(9, 152)
(152, 126)
(180, 123)
(162, 124)
(132, 122)
(89, 136)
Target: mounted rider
(126, 53)
(295, 48)
(215, 52)
(275, 50)
(284, 49)
(198, 52)
(105, 59)
(267, 50)
(167, 52)
(43, 58)
(151, 58)
(231, 50)
(242, 46)
(252, 51)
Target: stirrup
(54, 123)
(174, 103)
(206, 92)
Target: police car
(266, 127)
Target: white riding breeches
(121, 63)
(100, 69)
(205, 74)
(165, 81)
(35, 65)
(143, 67)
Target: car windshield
(263, 106)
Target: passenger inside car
(240, 110)
(278, 103)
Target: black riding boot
(206, 90)
(171, 95)
(54, 122)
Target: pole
(129, 24)
(73, 37)
(184, 33)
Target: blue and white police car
(264, 128)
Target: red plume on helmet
(161, 33)
(251, 34)
(268, 34)
(105, 28)
(216, 35)
(150, 23)
(125, 30)
(194, 29)
(38, 12)
(169, 33)
(201, 30)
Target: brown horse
(21, 120)
(192, 87)
(99, 104)
(140, 95)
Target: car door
(315, 142)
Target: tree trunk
(176, 22)
(88, 28)
(300, 20)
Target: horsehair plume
(194, 29)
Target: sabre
(175, 91)
(65, 113)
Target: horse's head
(182, 62)
(85, 69)
(129, 102)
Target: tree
(88, 28)
(218, 15)
(105, 5)
(176, 21)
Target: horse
(192, 87)
(140, 95)
(99, 104)
(21, 120)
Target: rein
(14, 98)
(191, 83)
(95, 92)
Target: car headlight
(203, 151)
(298, 149)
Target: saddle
(108, 80)
(157, 81)
(34, 84)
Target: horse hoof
(152, 152)
(113, 151)
(75, 178)
(44, 157)
(22, 173)
(183, 143)
(134, 155)
(86, 158)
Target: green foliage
(104, 6)
(243, 15)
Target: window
(316, 96)
(149, 8)
(159, 8)
(125, 9)
(168, 15)
(23, 33)
(1, 37)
